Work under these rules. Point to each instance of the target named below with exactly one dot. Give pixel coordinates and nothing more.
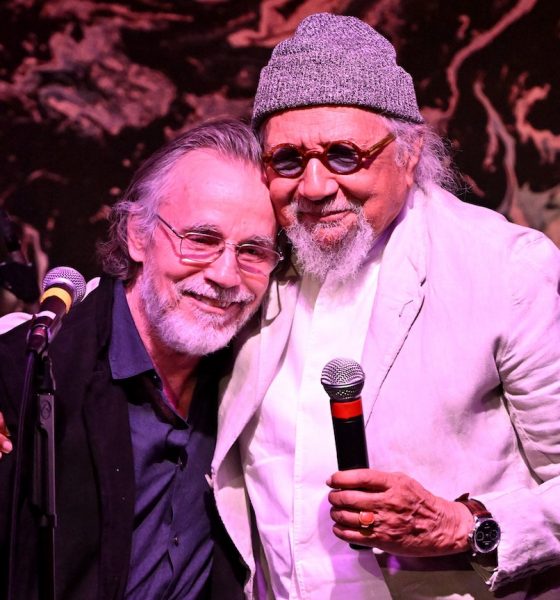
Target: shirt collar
(127, 354)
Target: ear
(413, 159)
(135, 240)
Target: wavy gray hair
(434, 163)
(231, 138)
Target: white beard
(197, 332)
(341, 260)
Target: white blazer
(462, 391)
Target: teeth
(206, 300)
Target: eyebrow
(202, 228)
(259, 240)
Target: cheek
(168, 267)
(166, 274)
(258, 287)
(281, 194)
(385, 204)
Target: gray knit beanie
(333, 59)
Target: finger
(345, 519)
(361, 537)
(368, 479)
(355, 500)
(5, 444)
(363, 521)
(3, 427)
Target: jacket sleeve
(528, 358)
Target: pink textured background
(88, 89)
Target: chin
(338, 252)
(330, 237)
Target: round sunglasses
(340, 157)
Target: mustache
(305, 206)
(218, 294)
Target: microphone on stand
(343, 380)
(62, 288)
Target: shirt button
(176, 541)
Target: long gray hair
(434, 163)
(143, 197)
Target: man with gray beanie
(454, 315)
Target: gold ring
(366, 519)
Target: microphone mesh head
(68, 277)
(343, 379)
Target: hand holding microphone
(388, 510)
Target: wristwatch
(485, 535)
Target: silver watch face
(486, 535)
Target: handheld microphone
(62, 288)
(343, 380)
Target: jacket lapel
(258, 357)
(106, 418)
(398, 299)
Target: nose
(224, 271)
(317, 182)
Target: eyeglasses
(340, 157)
(205, 248)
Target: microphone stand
(39, 385)
(43, 492)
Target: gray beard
(340, 261)
(195, 334)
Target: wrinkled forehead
(230, 193)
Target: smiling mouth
(332, 216)
(213, 302)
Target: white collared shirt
(289, 449)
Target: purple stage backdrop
(89, 88)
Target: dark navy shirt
(171, 543)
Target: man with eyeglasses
(453, 314)
(137, 365)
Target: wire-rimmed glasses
(205, 248)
